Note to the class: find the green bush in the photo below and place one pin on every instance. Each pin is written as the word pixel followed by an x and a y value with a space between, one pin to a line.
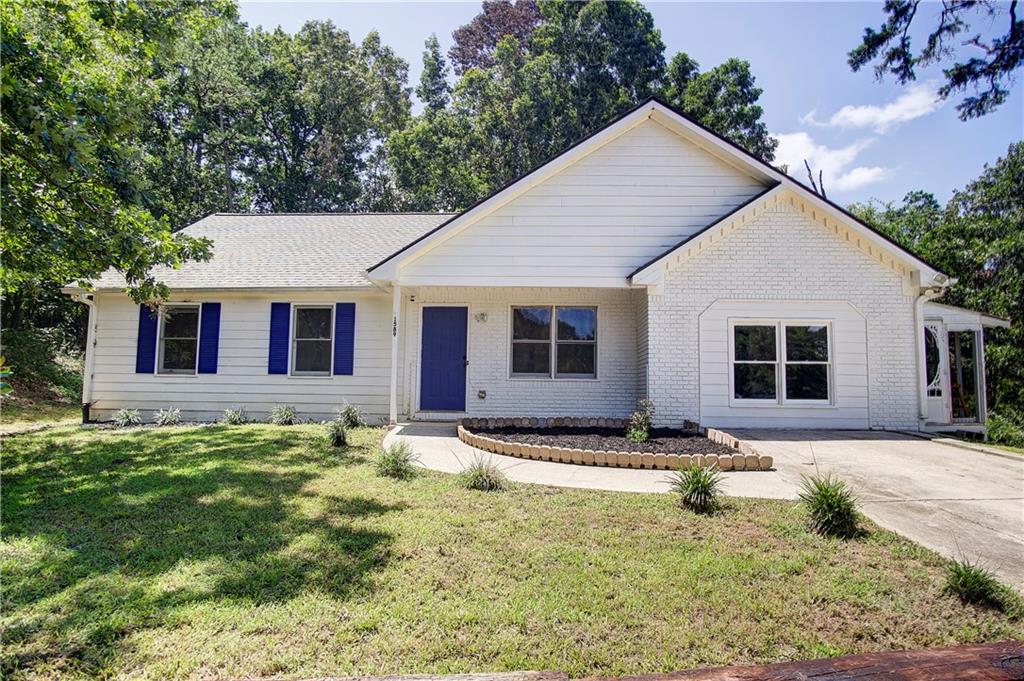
pixel 1006 427
pixel 283 415
pixel 972 583
pixel 235 417
pixel 699 488
pixel 485 475
pixel 831 504
pixel 126 418
pixel 639 428
pixel 350 415
pixel 44 364
pixel 397 461
pixel 337 433
pixel 171 416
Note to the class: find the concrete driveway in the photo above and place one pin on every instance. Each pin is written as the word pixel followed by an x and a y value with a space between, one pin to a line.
pixel 953 500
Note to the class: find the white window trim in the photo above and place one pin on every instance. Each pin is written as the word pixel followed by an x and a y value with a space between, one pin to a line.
pixel 552 342
pixel 292 341
pixel 780 363
pixel 159 369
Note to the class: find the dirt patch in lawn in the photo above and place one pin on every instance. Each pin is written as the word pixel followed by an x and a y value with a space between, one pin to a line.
pixel 662 440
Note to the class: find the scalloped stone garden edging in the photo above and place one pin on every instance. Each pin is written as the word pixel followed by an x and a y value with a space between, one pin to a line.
pixel 746 458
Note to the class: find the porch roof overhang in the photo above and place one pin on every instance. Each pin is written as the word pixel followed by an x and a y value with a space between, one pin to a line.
pixel 951 314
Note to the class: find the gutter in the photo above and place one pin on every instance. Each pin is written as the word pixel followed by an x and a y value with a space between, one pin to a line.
pixel 90 352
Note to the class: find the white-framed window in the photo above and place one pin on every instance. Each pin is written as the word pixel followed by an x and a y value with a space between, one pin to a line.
pixel 781 362
pixel 554 341
pixel 178 351
pixel 312 339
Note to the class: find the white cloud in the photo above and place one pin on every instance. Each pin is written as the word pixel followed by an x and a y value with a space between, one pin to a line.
pixel 834 164
pixel 919 100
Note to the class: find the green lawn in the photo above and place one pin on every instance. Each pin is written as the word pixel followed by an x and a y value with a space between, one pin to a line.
pixel 19 414
pixel 257 550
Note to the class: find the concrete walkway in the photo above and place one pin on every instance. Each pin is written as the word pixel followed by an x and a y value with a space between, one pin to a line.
pixel 440 450
pixel 950 499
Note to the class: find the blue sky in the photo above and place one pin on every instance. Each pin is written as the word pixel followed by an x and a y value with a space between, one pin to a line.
pixel 873 140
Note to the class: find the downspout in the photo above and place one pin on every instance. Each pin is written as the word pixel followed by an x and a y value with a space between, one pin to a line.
pixel 396 313
pixel 90 353
pixel 922 382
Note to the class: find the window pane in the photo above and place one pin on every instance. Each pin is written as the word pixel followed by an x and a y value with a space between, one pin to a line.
pixel 531 358
pixel 755 343
pixel 754 381
pixel 807 343
pixel 576 323
pixel 531 323
pixel 806 381
pixel 181 322
pixel 313 322
pixel 179 355
pixel 576 358
pixel 313 355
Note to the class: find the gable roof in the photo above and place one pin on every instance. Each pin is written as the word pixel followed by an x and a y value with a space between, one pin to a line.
pixel 289 250
pixel 672 118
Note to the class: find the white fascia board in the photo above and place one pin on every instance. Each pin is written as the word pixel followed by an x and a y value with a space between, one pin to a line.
pixel 388 271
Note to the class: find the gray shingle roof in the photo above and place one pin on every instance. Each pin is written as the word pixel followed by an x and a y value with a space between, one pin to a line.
pixel 286 250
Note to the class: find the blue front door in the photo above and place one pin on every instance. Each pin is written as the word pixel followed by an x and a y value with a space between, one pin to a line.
pixel 443 359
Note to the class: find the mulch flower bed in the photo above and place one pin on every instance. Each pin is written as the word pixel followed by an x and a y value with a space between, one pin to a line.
pixel 662 440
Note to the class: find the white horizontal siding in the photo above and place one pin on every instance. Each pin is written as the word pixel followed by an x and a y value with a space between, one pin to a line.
pixel 593 223
pixel 242 378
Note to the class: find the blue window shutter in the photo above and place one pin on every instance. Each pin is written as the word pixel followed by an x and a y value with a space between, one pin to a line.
pixel 209 337
pixel 280 319
pixel 344 338
pixel 145 348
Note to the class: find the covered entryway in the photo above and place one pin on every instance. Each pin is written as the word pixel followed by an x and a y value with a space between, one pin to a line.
pixel 954 348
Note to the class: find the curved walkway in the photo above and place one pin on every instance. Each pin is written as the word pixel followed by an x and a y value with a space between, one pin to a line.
pixel 439 449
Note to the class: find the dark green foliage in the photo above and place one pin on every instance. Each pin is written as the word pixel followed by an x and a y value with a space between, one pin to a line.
pixel 978 238
pixel 283 415
pixel 639 428
pixel 485 475
pixel 45 364
pixel 972 583
pixel 1006 427
pixel 698 487
pixel 337 433
pixel 831 505
pixel 397 461
pixel 989 65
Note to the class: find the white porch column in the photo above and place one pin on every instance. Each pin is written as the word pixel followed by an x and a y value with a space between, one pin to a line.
pixel 396 312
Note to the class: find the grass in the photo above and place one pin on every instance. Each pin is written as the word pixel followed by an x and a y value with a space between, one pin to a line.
pixel 256 550
pixel 18 414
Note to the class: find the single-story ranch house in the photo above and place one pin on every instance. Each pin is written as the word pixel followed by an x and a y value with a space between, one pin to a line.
pixel 651 259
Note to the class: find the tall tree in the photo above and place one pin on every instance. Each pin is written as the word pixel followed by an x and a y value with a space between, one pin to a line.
pixel 724 99
pixel 76 85
pixel 434 90
pixel 476 42
pixel 989 72
pixel 978 237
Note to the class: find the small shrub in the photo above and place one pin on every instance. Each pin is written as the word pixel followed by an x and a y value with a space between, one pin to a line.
pixel 125 418
pixel 832 506
pixel 283 415
pixel 235 417
pixel 972 583
pixel 337 433
pixel 699 488
pixel 350 415
pixel 1006 427
pixel 171 416
pixel 639 428
pixel 397 461
pixel 485 475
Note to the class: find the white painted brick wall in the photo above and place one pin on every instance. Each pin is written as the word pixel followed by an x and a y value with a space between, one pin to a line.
pixel 613 393
pixel 783 255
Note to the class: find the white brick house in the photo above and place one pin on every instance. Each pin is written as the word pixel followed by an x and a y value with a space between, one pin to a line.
pixel 652 259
